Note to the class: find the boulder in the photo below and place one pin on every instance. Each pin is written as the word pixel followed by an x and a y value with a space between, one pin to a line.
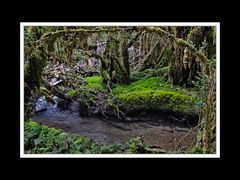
pixel 41 104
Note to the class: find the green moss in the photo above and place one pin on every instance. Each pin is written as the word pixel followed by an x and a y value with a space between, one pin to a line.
pixel 74 92
pixel 197 150
pixel 92 83
pixel 153 83
pixel 40 139
pixel 149 93
pixel 33 70
pixel 155 93
pixel 165 100
pixel 47 94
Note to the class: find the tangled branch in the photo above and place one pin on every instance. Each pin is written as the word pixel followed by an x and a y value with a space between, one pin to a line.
pixel 180 42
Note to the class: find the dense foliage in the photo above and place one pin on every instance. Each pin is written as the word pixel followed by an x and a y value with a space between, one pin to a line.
pixel 39 139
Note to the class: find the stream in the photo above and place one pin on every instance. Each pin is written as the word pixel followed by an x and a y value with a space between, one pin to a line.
pixel 155 132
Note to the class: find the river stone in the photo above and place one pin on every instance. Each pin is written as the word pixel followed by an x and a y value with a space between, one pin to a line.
pixel 41 104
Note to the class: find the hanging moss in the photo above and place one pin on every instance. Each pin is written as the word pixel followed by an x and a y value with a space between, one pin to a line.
pixel 34 70
pixel 32 79
pixel 115 65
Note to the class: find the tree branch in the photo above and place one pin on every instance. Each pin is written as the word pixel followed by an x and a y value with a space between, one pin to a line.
pixel 189 132
pixel 180 42
pixel 51 88
pixel 134 39
pixel 53 34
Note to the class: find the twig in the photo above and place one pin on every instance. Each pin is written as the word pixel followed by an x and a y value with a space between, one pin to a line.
pixel 175 119
pixel 189 132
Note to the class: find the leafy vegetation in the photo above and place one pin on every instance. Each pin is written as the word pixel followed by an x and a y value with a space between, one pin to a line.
pixel 40 139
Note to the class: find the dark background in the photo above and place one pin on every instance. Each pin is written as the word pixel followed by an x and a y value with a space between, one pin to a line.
pixel 120 12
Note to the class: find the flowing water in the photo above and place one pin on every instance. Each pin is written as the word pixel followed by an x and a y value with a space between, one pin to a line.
pixel 158 132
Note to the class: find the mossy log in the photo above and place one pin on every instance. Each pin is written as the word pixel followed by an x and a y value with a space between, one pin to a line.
pixel 53 90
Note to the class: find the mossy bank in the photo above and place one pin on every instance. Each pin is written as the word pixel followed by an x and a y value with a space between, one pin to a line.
pixel 150 95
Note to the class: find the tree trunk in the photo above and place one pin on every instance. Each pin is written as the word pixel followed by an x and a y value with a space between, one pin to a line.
pixel 114 64
pixel 185 65
pixel 178 71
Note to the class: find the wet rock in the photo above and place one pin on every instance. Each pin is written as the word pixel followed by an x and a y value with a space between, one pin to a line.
pixel 55 99
pixel 41 104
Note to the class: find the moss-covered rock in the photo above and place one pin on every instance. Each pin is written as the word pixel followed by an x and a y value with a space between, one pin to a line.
pixel 154 94
pixel 157 100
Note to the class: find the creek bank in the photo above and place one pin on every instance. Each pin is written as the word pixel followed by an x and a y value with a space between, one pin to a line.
pixel 143 98
pixel 149 108
pixel 156 132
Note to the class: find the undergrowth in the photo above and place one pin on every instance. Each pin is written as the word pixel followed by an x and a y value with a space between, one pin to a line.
pixel 147 93
pixel 40 139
